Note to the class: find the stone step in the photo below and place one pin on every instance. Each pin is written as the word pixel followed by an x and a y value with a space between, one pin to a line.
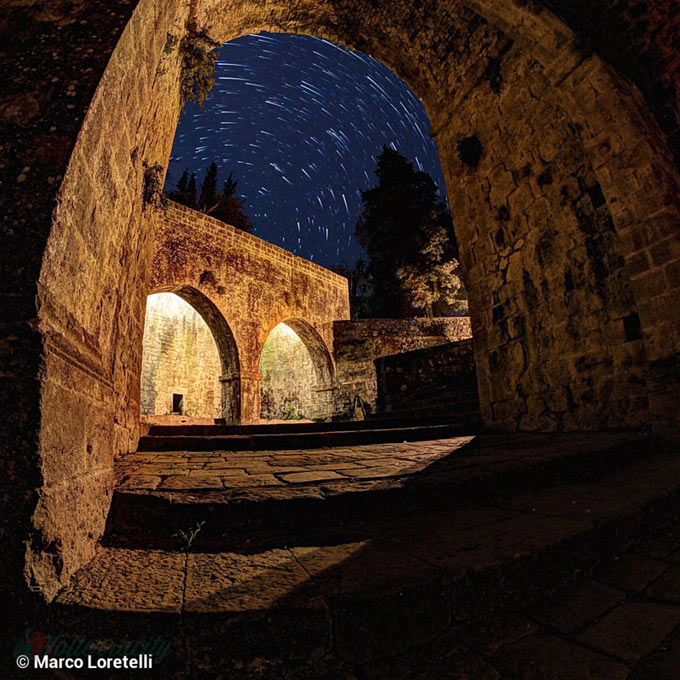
pixel 252 501
pixel 470 414
pixel 219 428
pixel 451 398
pixel 467 410
pixel 407 582
pixel 273 441
pixel 469 388
pixel 442 402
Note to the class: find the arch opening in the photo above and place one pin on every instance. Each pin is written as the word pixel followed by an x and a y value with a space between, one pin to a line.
pixel 190 366
pixel 553 337
pixel 297 374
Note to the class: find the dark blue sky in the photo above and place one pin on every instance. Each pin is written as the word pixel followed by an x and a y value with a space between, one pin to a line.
pixel 300 122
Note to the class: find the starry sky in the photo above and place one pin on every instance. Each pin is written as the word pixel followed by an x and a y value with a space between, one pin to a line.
pixel 300 121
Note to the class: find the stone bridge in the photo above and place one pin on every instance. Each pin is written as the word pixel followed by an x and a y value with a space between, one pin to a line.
pixel 243 287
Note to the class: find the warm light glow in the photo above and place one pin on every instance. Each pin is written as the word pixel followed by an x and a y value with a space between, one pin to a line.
pixel 283 331
pixel 288 376
pixel 168 305
pixel 180 361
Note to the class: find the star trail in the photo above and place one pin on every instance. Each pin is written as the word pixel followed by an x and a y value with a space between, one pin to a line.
pixel 300 122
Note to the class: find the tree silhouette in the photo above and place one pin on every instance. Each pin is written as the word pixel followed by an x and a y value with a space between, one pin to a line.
pixel 185 191
pixel 224 205
pixel 192 192
pixel 360 288
pixel 229 208
pixel 401 216
pixel 182 185
pixel 208 198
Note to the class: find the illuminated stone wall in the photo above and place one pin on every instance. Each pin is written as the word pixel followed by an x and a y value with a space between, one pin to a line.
pixel 250 286
pixel 179 356
pixel 288 378
pixel 358 344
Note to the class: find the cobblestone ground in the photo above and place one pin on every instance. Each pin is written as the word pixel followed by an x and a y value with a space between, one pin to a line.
pixel 620 623
pixel 229 469
pixel 277 470
pixel 379 587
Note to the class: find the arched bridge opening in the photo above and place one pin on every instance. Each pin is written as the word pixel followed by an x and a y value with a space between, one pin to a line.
pixel 190 361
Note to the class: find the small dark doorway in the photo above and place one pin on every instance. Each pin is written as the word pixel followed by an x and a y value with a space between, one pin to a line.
pixel 178 403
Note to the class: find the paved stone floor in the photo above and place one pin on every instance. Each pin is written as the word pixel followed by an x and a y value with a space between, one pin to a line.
pixel 623 623
pixel 468 571
pixel 229 469
pixel 193 470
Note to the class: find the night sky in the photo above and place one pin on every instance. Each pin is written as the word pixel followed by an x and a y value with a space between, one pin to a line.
pixel 300 122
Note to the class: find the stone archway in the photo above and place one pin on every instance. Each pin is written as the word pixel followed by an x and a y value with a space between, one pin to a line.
pixel 321 357
pixel 298 374
pixel 508 199
pixel 230 377
pixel 549 156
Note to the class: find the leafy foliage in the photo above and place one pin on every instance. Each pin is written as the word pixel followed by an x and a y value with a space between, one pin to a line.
pixel 171 41
pixel 152 191
pixel 431 277
pixel 289 413
pixel 187 537
pixel 198 66
pixel 408 235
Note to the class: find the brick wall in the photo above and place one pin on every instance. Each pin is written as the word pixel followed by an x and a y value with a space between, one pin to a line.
pixel 434 381
pixel 251 286
pixel 288 378
pixel 357 344
pixel 179 357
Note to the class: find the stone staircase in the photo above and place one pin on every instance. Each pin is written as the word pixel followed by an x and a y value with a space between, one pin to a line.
pixel 312 559
pixel 283 436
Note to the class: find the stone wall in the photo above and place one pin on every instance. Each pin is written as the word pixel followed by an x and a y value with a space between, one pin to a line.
pixel 179 356
pixel 434 381
pixel 357 344
pixel 245 287
pixel 288 377
pixel 81 242
pixel 640 39
pixel 558 335
pixel 531 127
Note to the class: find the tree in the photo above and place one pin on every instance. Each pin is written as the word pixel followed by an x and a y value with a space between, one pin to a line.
pixel 208 200
pixel 192 193
pixel 360 288
pixel 431 277
pixel 185 191
pixel 182 185
pixel 229 208
pixel 401 217
pixel 224 205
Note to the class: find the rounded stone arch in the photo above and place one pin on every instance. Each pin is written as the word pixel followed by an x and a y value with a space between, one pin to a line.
pixel 612 133
pixel 226 346
pixel 483 187
pixel 96 247
pixel 323 388
pixel 324 366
